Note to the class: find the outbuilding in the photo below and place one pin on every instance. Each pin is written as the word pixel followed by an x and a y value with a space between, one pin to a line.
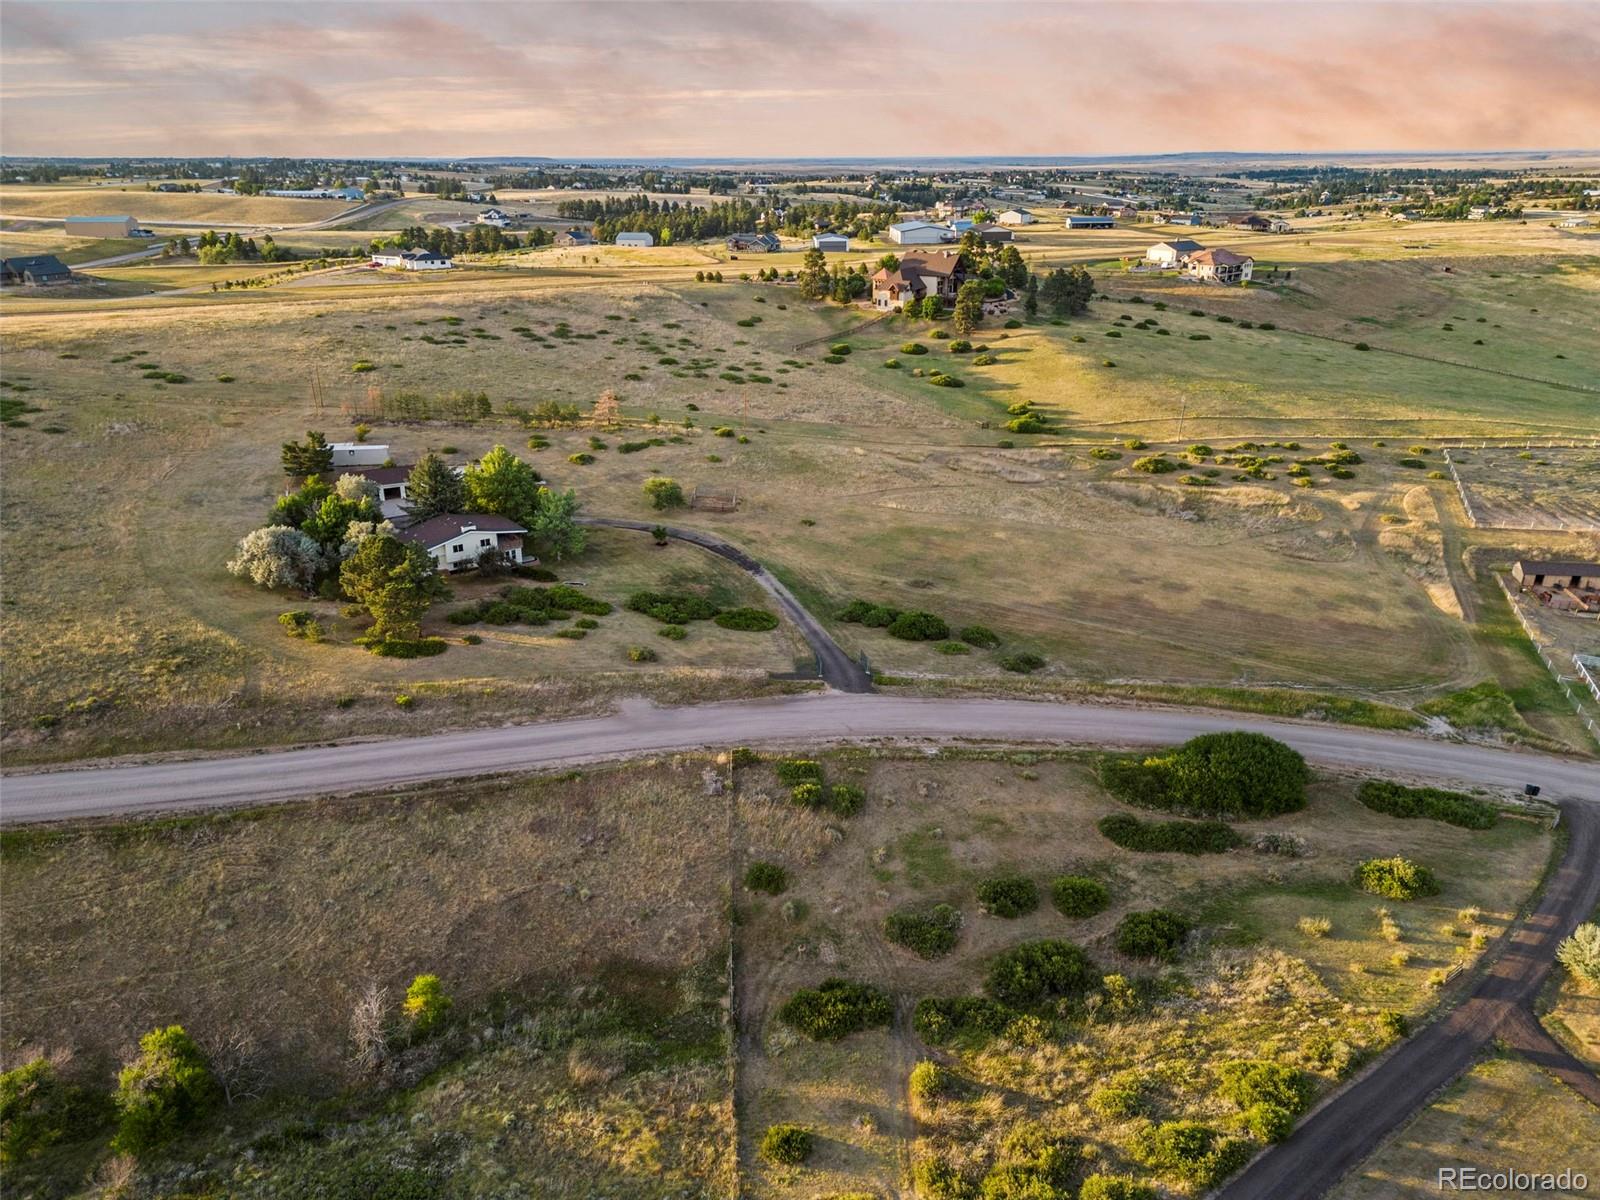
pixel 100 227
pixel 1168 255
pixel 636 239
pixel 357 454
pixel 1016 216
pixel 920 233
pixel 831 243
pixel 1082 222
pixel 575 237
pixel 1552 573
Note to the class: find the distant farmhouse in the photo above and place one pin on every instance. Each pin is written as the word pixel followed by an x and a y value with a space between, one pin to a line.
pixel 636 239
pixel 831 243
pixel 575 237
pixel 100 227
pixel 34 270
pixel 1016 216
pixel 918 276
pixel 755 243
pixel 1219 266
pixel 496 217
pixel 345 193
pixel 1252 221
pixel 1171 255
pixel 1082 222
pixel 920 233
pixel 412 260
pixel 1564 586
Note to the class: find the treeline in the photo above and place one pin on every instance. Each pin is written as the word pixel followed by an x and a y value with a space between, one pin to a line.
pixel 215 248
pixel 671 221
pixel 478 239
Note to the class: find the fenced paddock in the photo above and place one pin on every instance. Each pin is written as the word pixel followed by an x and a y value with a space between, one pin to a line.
pixel 1529 485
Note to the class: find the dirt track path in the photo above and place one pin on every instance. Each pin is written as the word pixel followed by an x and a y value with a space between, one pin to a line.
pixel 1346 1129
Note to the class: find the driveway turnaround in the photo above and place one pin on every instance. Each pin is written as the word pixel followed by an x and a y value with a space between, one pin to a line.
pixel 1335 1138
pixel 641 728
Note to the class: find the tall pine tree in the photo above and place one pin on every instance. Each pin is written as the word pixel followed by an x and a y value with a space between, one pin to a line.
pixel 434 488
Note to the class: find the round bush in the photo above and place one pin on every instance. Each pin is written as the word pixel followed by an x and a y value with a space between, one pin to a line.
pixel 1115 1187
pixel 1078 895
pixel 1396 878
pixel 953 648
pixel 1008 896
pixel 1154 933
pixel 766 877
pixel 918 626
pixel 1268 1122
pixel 749 620
pixel 786 1145
pixel 839 348
pixel 1036 971
pixel 845 799
pixel 913 348
pixel 1022 663
pixel 979 635
pixel 641 654
pixel 835 1009
pixel 926 932
pixel 1236 775
pixel 929 1082
pixel 807 795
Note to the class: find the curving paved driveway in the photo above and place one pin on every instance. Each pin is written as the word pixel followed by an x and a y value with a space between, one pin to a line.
pixel 1341 1133
pixel 641 728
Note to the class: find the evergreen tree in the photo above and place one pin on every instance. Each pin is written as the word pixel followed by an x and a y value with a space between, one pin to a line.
pixel 813 277
pixel 554 530
pixel 1030 302
pixel 969 307
pixel 394 581
pixel 312 457
pixel 434 488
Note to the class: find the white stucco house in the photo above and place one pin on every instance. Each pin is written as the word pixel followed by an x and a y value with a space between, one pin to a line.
pixel 456 540
pixel 494 216
pixel 636 239
pixel 920 233
pixel 412 260
pixel 1219 266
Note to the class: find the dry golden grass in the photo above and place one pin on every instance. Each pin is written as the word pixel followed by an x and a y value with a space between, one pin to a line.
pixel 52 200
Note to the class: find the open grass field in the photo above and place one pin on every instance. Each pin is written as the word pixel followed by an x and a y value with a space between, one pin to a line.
pixel 1552 487
pixel 51 200
pixel 1505 1115
pixel 39 239
pixel 598 1044
pixel 854 482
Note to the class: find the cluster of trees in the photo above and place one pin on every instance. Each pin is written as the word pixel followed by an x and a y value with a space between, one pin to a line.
pixel 1066 292
pixel 671 221
pixel 333 540
pixel 216 248
pixel 478 239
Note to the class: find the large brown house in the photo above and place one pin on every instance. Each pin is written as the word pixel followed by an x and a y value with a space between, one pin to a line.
pixel 935 273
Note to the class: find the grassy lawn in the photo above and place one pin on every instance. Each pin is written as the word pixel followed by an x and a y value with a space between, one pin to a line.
pixel 57 200
pixel 1505 1115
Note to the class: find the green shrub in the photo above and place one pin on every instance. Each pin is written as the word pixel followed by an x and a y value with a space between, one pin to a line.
pixel 786 1145
pixel 1120 1097
pixel 892 363
pixel 1190 1151
pixel 426 1004
pixel 749 620
pixel 301 624
pixel 1030 422
pixel 1078 895
pixel 39 1110
pixel 1238 775
pixel 402 648
pixel 913 348
pixel 880 616
pixel 935 1179
pixel 835 359
pixel 938 379
pixel 1153 933
pixel 942 1020
pixel 979 635
pixel 766 877
pixel 1169 837
pixel 664 493
pixel 985 360
pixel 1008 896
pixel 918 626
pixel 582 459
pixel 835 1009
pixel 960 346
pixel 641 654
pixel 1154 464
pixel 845 799
pixel 1115 1187
pixel 1021 663
pixel 1105 454
pixel 928 932
pixel 798 770
pixel 1396 878
pixel 1248 1082
pixel 672 608
pixel 839 348
pixel 1453 808
pixel 1268 1122
pixel 808 795
pixel 1036 971
pixel 929 1082
pixel 953 648
pixel 166 1088
pixel 1580 953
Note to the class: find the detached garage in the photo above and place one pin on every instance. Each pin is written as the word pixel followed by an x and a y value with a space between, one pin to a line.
pixel 636 239
pixel 100 227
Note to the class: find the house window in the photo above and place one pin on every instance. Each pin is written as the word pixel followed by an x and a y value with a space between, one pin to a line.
pixel 485 541
pixel 456 549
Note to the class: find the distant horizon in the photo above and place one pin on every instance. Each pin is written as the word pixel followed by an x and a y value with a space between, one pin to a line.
pixel 695 81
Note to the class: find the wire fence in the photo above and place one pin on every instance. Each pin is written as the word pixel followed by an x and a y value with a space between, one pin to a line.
pixel 1552 521
pixel 1583 678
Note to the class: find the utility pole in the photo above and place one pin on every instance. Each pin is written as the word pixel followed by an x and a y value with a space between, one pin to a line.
pixel 1183 411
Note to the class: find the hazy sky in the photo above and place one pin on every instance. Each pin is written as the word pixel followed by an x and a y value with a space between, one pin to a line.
pixel 762 78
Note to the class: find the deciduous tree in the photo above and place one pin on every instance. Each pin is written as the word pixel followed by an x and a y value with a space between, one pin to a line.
pixel 501 483
pixel 277 556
